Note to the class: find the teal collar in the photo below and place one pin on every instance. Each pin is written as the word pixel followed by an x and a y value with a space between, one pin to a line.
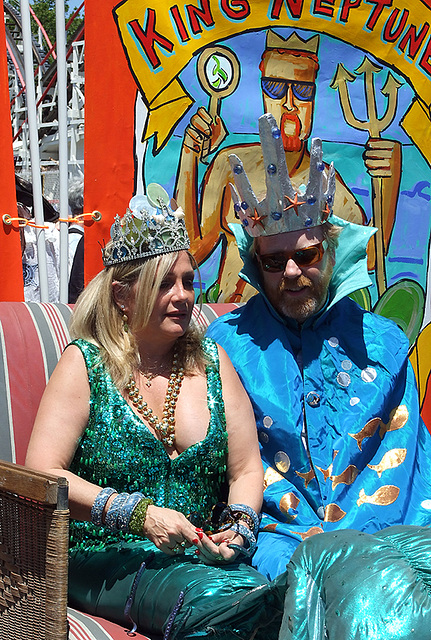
pixel 350 269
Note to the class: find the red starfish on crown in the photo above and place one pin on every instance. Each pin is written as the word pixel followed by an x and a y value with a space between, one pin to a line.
pixel 257 219
pixel 293 204
pixel 326 211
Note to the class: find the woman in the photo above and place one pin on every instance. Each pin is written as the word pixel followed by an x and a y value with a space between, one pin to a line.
pixel 150 424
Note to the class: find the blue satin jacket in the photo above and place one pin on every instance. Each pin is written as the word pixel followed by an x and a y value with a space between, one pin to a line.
pixel 342 442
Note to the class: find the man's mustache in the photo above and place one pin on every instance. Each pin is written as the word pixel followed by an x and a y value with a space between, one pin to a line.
pixel 294 285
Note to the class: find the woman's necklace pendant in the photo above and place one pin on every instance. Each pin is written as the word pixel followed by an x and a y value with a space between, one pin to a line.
pixel 164 428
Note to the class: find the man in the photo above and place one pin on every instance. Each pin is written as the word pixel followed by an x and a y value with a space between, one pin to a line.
pixel 334 396
pixel 289 69
pixel 76 239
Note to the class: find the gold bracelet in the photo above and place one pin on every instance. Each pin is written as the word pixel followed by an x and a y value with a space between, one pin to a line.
pixel 137 519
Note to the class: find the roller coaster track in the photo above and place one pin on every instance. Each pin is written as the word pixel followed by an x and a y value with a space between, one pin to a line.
pixel 45 68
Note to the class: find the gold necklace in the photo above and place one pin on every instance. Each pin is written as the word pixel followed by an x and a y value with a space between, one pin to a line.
pixel 166 426
pixel 149 377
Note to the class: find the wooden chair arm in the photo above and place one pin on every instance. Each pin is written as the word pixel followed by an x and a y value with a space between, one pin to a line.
pixel 34 485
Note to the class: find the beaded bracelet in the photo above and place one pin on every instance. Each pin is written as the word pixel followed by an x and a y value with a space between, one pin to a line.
pixel 137 519
pixel 127 507
pixel 100 503
pixel 114 511
pixel 248 537
pixel 248 515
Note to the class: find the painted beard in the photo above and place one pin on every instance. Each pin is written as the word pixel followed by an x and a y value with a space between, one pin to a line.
pixel 309 302
pixel 292 142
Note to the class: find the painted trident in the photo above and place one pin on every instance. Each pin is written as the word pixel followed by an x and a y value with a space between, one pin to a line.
pixel 374 125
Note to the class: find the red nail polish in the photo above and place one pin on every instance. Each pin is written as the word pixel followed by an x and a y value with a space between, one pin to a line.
pixel 197 552
pixel 200 533
pixel 195 541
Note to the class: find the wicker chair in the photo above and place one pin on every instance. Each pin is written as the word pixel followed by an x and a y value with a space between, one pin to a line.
pixel 34 528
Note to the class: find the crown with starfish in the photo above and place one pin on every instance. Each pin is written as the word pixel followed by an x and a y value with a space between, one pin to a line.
pixel 283 208
pixel 151 226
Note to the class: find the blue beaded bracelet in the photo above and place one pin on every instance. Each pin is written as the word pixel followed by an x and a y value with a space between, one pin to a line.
pixel 248 511
pixel 99 504
pixel 248 537
pixel 126 511
pixel 114 511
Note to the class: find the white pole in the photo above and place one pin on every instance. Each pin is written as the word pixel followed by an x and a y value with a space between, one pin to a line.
pixel 34 149
pixel 62 147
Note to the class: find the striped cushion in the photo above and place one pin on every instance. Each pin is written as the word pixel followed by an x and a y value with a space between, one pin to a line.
pixel 32 338
pixel 84 627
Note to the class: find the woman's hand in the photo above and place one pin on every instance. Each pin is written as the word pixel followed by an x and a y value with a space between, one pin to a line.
pixel 172 533
pixel 215 549
pixel 169 530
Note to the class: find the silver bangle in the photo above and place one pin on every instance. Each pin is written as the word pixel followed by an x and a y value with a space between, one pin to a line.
pixel 248 536
pixel 126 511
pixel 244 508
pixel 100 503
pixel 114 511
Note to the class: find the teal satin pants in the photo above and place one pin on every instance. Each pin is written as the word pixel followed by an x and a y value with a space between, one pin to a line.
pixel 349 585
pixel 230 602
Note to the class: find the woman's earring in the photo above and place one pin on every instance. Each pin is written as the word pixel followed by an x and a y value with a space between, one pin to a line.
pixel 125 319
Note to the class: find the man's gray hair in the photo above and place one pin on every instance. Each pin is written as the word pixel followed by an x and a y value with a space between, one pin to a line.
pixel 76 196
pixel 331 233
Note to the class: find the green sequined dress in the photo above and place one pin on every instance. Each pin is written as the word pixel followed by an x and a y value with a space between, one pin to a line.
pixel 118 450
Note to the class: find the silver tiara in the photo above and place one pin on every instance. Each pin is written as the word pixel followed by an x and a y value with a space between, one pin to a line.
pixel 149 228
pixel 283 209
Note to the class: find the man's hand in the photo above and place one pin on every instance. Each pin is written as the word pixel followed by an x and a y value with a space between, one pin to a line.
pixel 382 157
pixel 204 133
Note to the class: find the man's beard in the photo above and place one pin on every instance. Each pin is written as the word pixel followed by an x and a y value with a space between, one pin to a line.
pixel 310 301
pixel 293 142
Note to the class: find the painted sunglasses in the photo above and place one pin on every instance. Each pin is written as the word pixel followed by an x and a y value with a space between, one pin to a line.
pixel 276 88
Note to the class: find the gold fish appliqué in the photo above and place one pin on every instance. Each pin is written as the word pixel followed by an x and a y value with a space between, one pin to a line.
pixel 271 476
pixel 333 513
pixel 397 419
pixel 366 432
pixel 383 496
pixel 307 534
pixel 390 460
pixel 307 477
pixel 348 476
pixel 289 501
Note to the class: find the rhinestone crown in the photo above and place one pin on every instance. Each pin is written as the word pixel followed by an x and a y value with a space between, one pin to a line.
pixel 149 228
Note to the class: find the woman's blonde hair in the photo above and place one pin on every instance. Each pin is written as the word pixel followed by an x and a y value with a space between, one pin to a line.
pixel 97 317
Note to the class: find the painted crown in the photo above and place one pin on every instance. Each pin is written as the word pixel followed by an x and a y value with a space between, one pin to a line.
pixel 150 227
pixel 283 209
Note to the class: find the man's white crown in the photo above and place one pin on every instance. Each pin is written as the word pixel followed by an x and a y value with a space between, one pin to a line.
pixel 283 209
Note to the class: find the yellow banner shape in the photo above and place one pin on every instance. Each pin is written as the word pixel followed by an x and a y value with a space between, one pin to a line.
pixel 160 40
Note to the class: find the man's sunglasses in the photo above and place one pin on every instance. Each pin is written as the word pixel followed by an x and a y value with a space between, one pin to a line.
pixel 276 88
pixel 276 262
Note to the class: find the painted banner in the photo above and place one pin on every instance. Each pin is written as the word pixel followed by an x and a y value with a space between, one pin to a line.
pixel 173 88
pixel 12 286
